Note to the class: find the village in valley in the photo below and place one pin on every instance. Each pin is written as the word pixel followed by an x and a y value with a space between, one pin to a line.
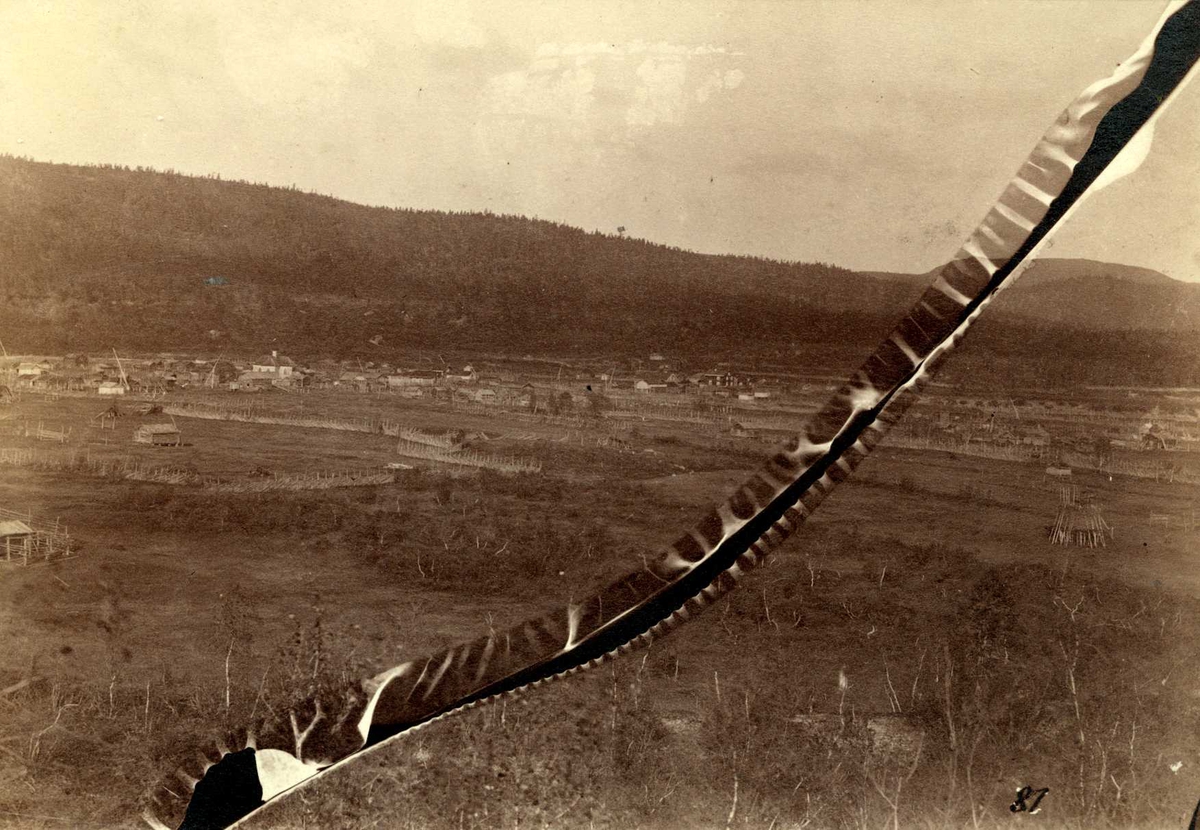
pixel 1091 427
pixel 91 413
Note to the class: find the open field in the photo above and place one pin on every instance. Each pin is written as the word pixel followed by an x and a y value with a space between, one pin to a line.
pixel 978 657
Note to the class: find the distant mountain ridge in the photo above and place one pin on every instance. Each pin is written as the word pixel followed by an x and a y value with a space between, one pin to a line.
pixel 1101 296
pixel 1085 293
pixel 95 257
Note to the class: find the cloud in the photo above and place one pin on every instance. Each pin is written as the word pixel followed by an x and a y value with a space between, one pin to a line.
pixel 605 92
pixel 659 97
pixel 730 79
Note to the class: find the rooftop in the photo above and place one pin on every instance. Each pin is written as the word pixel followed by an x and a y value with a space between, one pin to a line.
pixel 12 527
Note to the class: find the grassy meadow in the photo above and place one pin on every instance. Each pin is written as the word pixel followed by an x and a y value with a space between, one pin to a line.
pixel 977 658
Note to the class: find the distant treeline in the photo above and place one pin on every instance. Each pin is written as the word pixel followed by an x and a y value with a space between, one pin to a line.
pixel 97 257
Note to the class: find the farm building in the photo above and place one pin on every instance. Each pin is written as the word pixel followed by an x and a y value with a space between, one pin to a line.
pixel 417 378
pixel 649 386
pixel 16 537
pixel 28 370
pixel 261 380
pixel 467 375
pixel 158 435
pixel 356 381
pixel 1035 436
pixel 274 364
pixel 108 418
pixel 486 396
pixel 110 387
pixel 715 379
pixel 738 430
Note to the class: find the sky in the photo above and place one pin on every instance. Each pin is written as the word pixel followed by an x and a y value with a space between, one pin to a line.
pixel 872 135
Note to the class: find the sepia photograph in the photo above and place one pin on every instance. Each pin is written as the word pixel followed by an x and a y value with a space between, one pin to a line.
pixel 600 414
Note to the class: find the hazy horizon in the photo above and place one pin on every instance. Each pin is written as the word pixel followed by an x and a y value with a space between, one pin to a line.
pixel 868 135
pixel 609 231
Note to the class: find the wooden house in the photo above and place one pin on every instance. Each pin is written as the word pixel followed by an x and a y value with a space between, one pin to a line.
pixel 353 380
pixel 256 380
pixel 723 379
pixel 16 538
pixel 738 430
pixel 414 378
pixel 1036 436
pixel 649 386
pixel 158 435
pixel 279 366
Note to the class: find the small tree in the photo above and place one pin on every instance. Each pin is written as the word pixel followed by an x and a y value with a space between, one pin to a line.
pixel 561 403
pixel 598 404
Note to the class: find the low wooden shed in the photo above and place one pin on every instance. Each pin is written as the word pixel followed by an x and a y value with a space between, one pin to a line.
pixel 158 435
pixel 16 539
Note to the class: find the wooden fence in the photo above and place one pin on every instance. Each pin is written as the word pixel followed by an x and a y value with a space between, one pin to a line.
pixel 77 461
pixel 973 448
pixel 309 481
pixel 130 469
pixel 413 443
pixel 372 426
pixel 59 435
pixel 468 458
pixel 1157 470
pixel 45 544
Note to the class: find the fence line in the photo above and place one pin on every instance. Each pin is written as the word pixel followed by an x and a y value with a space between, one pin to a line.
pixel 312 481
pixel 373 426
pixel 46 542
pixel 413 443
pixel 977 449
pixel 215 413
pixel 468 458
pixel 1157 470
pixel 130 469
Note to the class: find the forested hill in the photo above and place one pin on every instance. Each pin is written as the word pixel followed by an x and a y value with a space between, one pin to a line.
pixel 96 257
